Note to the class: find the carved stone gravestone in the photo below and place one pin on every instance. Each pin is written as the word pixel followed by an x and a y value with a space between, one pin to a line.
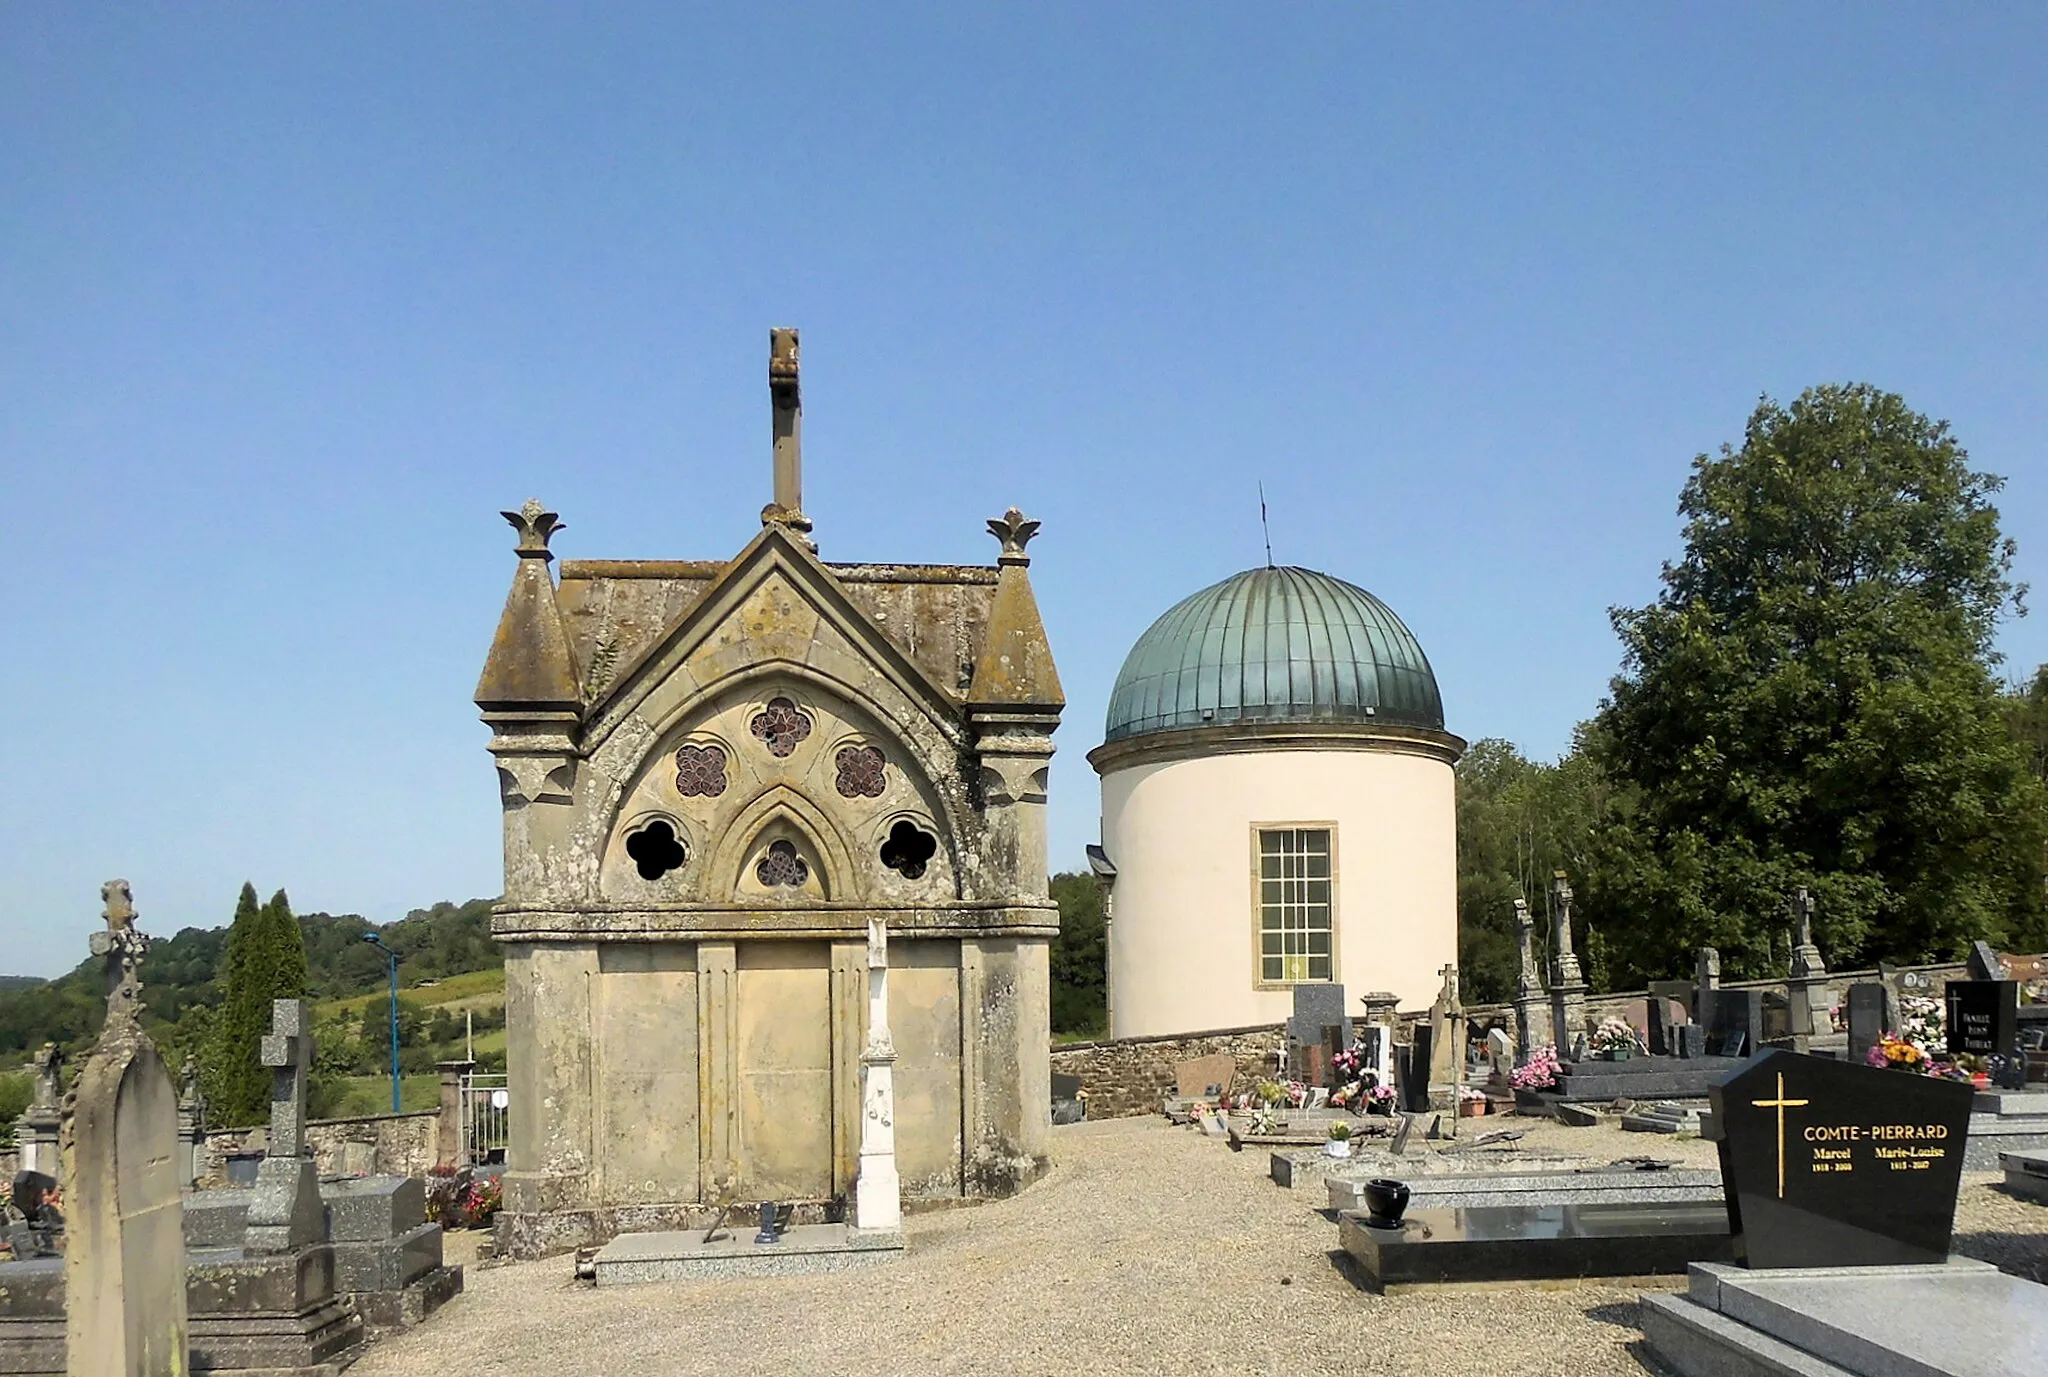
pixel 1867 1022
pixel 284 1208
pixel 1706 989
pixel 1317 1008
pixel 1826 1164
pixel 1983 1017
pixel 1657 1037
pixel 124 1264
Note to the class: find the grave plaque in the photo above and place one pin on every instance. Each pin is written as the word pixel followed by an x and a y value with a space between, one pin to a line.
pixel 1689 1040
pixel 1983 1017
pixel 1826 1164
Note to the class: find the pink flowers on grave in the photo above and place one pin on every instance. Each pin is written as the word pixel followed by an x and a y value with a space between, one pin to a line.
pixel 1540 1072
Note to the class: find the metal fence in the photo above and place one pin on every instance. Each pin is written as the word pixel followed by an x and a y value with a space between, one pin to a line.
pixel 486 1118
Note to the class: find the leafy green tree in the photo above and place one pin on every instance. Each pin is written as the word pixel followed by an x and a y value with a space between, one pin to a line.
pixel 287 951
pixel 1080 957
pixel 2026 715
pixel 1810 702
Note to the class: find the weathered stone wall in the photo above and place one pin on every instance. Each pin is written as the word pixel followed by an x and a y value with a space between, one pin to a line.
pixel 1131 1075
pixel 1834 988
pixel 378 1144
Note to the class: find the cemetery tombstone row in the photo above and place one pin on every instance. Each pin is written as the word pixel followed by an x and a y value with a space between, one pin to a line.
pixel 1828 1164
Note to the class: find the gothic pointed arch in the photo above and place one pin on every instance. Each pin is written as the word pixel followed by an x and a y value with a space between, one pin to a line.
pixel 797 840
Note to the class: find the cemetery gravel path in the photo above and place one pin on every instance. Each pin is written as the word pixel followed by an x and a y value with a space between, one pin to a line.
pixel 1147 1249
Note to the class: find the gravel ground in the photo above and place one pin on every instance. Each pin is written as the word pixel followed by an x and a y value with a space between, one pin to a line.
pixel 1147 1249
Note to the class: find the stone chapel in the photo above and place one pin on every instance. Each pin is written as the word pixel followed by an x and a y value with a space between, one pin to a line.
pixel 713 774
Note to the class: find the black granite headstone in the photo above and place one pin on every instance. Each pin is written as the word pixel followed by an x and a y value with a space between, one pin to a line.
pixel 1983 1017
pixel 1414 1074
pixel 1737 1011
pixel 1826 1164
pixel 1689 1040
pixel 1659 1036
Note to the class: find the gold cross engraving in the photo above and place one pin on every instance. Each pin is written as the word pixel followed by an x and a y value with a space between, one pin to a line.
pixel 1781 1104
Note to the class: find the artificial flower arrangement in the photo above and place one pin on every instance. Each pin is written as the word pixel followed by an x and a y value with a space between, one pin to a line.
pixel 1897 1054
pixel 1615 1035
pixel 1923 1024
pixel 1540 1072
pixel 1471 1092
pixel 1340 1131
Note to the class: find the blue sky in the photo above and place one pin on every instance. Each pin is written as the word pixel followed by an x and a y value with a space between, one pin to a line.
pixel 293 299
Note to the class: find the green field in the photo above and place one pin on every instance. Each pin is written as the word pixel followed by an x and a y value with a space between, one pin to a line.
pixel 472 989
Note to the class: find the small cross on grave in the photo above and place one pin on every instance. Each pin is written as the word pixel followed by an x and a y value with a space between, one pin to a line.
pixel 288 1051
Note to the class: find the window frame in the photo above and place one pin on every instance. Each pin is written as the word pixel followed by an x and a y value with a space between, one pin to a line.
pixel 1258 909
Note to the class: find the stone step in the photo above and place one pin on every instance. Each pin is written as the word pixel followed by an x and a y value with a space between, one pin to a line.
pixel 1872 1320
pixel 683 1255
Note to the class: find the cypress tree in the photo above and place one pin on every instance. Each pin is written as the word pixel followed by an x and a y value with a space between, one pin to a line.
pixel 286 945
pixel 237 1084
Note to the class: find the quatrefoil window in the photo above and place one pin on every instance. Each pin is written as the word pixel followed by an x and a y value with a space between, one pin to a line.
pixel 782 726
pixel 860 771
pixel 700 771
pixel 782 868
pixel 656 849
pixel 908 849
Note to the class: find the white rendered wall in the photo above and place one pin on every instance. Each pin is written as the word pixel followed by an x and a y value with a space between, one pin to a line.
pixel 1181 951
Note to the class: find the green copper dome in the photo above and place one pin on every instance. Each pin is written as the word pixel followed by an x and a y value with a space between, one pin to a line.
pixel 1274 645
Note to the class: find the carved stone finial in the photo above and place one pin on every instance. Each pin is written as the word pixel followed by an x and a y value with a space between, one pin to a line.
pixel 1015 532
pixel 536 526
pixel 120 905
pixel 123 947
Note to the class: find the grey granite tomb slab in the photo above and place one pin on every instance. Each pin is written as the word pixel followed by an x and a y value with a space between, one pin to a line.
pixel 682 1255
pixel 1959 1319
pixel 2026 1174
pixel 364 1209
pixel 1617 1187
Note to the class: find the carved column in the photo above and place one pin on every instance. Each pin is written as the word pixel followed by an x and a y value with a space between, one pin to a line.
pixel 1532 1014
pixel 1567 986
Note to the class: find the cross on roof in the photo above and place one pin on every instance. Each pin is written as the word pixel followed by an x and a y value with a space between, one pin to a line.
pixel 288 1051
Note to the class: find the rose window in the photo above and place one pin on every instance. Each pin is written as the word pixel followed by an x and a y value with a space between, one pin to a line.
pixel 860 771
pixel 700 771
pixel 781 725
pixel 782 868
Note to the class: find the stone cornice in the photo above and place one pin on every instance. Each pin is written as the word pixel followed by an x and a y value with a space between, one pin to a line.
pixel 1238 738
pixel 688 923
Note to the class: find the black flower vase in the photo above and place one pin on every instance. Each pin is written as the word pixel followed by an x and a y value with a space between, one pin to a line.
pixel 1385 1202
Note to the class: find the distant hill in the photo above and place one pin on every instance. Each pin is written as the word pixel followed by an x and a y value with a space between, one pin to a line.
pixel 180 976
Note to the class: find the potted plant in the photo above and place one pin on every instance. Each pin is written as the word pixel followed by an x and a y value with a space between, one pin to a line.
pixel 1339 1144
pixel 1471 1102
pixel 1380 1100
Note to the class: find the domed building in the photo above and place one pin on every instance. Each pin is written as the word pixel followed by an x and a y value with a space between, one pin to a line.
pixel 1278 807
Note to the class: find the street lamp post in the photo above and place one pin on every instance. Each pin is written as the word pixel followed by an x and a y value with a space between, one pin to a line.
pixel 391 959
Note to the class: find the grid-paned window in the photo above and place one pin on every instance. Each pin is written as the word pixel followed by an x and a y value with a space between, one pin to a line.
pixel 1294 904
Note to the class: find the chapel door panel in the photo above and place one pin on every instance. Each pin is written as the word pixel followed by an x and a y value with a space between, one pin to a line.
pixel 924 1018
pixel 785 1071
pixel 647 1023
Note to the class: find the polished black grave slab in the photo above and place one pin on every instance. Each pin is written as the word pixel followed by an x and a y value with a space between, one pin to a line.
pixel 1831 1165
pixel 1537 1242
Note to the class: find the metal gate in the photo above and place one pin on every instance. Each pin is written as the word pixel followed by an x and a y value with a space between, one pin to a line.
pixel 486 1118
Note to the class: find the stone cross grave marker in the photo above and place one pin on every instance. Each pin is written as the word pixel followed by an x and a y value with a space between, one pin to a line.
pixel 1826 1164
pixel 124 1263
pixel 285 1210
pixel 1707 987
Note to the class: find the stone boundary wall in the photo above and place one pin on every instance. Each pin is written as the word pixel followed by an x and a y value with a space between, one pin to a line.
pixel 375 1144
pixel 1836 984
pixel 1132 1075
